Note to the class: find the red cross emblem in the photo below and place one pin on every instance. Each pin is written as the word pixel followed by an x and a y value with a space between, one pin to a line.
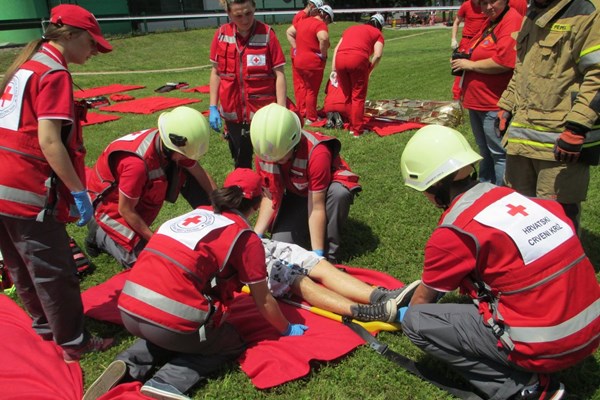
pixel 196 219
pixel 256 60
pixel 514 210
pixel 7 95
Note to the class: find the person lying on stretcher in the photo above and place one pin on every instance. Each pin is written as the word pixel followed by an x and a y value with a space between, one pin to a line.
pixel 295 270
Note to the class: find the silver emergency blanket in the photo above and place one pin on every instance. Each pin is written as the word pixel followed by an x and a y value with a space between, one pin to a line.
pixel 447 113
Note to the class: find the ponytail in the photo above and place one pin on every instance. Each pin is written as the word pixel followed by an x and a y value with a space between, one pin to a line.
pixel 53 32
pixel 232 198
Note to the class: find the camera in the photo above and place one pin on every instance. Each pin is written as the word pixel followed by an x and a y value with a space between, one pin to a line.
pixel 457 55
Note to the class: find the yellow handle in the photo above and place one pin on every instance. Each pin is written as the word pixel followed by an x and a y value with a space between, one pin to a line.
pixel 371 326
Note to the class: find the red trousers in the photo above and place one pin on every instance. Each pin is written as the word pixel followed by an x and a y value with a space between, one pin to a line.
pixel 307 92
pixel 353 78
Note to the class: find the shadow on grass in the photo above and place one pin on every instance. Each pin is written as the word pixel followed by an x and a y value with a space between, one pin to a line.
pixel 357 239
pixel 591 244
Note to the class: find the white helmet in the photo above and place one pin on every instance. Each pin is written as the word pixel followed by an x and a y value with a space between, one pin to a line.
pixel 433 153
pixel 316 3
pixel 274 131
pixel 379 19
pixel 185 131
pixel 327 10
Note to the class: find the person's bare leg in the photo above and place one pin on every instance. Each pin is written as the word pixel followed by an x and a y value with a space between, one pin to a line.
pixel 341 282
pixel 321 297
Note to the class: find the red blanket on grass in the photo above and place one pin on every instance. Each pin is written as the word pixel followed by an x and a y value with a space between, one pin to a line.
pixel 95 118
pixel 31 368
pixel 102 90
pixel 148 105
pixel 270 360
pixel 381 128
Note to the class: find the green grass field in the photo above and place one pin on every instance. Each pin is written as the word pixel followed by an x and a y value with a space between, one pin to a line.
pixel 388 226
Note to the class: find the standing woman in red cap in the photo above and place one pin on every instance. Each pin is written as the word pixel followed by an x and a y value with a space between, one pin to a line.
pixel 43 187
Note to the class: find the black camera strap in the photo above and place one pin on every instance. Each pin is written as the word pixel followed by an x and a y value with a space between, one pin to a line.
pixel 489 30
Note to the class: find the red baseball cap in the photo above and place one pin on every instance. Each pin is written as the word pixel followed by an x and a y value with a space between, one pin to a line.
pixel 249 181
pixel 79 17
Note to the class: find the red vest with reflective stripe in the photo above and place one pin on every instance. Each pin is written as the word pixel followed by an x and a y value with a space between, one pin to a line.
pixel 184 262
pixel 271 172
pixel 548 307
pixel 247 77
pixel 102 185
pixel 29 188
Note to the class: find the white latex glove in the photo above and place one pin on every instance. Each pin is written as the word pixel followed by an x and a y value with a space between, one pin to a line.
pixel 454 44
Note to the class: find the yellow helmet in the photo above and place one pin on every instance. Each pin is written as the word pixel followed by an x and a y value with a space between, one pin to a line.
pixel 433 153
pixel 274 131
pixel 185 131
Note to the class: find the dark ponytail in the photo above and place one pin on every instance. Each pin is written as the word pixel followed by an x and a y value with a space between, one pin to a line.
pixel 232 198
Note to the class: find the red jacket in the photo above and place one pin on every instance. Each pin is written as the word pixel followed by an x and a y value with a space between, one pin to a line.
pixel 299 171
pixel 146 145
pixel 184 263
pixel 29 188
pixel 532 281
pixel 247 77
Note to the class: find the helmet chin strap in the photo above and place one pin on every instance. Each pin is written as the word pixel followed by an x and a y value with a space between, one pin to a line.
pixel 453 185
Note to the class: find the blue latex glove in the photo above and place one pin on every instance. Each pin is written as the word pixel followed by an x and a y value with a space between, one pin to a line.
pixel 214 119
pixel 320 253
pixel 84 206
pixel 401 312
pixel 294 330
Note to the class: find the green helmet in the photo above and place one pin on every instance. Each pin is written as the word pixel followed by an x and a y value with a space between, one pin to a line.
pixel 433 153
pixel 274 131
pixel 185 131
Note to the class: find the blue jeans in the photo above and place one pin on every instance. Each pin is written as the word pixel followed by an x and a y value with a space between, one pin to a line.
pixel 491 168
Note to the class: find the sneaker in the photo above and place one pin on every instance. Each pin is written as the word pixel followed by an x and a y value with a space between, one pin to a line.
pixel 91 248
pixel 157 389
pixel 385 311
pixel 95 343
pixel 401 295
pixel 356 134
pixel 546 388
pixel 107 380
pixel 339 122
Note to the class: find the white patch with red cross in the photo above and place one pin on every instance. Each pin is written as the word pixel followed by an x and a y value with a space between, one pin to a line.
pixel 256 60
pixel 534 229
pixel 190 228
pixel 11 100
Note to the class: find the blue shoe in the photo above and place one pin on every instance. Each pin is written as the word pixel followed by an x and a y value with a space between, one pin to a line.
pixel 162 391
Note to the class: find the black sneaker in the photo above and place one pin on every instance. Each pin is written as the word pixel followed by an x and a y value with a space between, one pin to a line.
pixel 385 311
pixel 547 388
pixel 339 122
pixel 401 295
pixel 91 248
pixel 111 376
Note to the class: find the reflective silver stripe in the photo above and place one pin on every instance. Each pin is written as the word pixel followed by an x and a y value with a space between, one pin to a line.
pixel 47 61
pixel 22 196
pixel 230 115
pixel 300 163
pixel 571 350
pixel 164 303
pixel 145 144
pixel 589 58
pixel 259 40
pixel 173 261
pixel 156 173
pixel 467 199
pixel 118 227
pixel 557 332
pixel 311 138
pixel 539 136
pixel 269 167
pixel 227 39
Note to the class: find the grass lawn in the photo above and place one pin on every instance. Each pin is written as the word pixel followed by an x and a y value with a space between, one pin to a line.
pixel 388 226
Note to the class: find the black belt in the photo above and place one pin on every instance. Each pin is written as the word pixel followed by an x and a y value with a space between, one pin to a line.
pixel 468 37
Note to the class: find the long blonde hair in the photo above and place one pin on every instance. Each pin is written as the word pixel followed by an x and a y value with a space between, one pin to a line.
pixel 53 32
